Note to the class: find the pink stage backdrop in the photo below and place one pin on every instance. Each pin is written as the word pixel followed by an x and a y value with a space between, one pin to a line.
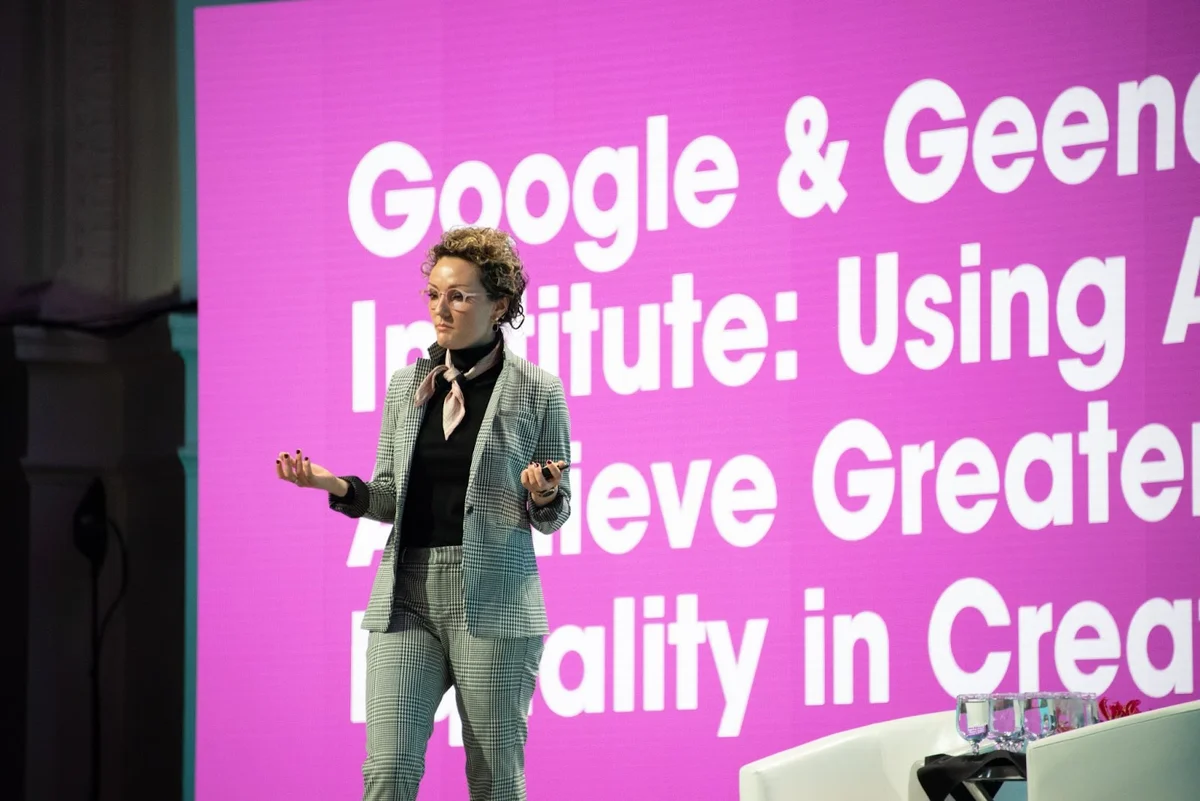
pixel 878 325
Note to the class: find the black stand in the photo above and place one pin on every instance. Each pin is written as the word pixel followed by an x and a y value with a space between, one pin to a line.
pixel 943 776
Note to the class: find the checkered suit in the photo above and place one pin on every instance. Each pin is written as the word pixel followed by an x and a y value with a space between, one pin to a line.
pixel 526 421
pixel 470 616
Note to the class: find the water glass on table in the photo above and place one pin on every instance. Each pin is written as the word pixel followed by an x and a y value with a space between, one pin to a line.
pixel 1037 716
pixel 1006 721
pixel 973 711
pixel 1091 708
pixel 1068 712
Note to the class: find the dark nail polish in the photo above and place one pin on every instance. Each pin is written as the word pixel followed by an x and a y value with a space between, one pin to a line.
pixel 278 462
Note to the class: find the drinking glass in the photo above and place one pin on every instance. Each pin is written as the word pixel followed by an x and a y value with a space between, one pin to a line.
pixel 1005 721
pixel 1037 716
pixel 1067 711
pixel 1091 708
pixel 973 719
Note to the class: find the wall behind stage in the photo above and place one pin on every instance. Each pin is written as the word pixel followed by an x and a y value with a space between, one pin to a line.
pixel 877 327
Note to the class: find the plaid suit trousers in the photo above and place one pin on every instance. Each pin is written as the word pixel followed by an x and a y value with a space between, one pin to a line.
pixel 426 648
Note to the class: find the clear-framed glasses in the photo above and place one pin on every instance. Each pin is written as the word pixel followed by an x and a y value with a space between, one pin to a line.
pixel 1006 723
pixel 973 719
pixel 459 300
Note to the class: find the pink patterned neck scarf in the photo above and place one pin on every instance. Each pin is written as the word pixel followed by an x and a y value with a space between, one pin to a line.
pixel 454 408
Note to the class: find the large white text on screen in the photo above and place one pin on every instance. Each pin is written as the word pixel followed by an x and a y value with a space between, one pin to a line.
pixel 1005 130
pixel 735 331
pixel 1088 652
pixel 730 339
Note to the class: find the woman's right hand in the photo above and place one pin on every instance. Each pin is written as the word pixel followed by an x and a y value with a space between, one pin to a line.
pixel 303 472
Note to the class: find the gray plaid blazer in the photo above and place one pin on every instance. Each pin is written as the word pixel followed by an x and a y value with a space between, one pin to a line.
pixel 526 421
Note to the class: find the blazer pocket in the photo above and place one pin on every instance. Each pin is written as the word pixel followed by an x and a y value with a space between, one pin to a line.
pixel 516 412
pixel 514 420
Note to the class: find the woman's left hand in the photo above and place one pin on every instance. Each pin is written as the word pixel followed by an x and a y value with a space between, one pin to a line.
pixel 544 490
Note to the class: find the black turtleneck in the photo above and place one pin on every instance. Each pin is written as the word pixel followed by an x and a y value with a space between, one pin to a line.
pixel 441 468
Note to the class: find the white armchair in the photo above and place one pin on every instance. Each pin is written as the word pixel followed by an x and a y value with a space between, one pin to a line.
pixel 871 763
pixel 1151 756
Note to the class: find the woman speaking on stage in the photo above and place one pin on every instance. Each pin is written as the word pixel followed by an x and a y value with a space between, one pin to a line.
pixel 473 452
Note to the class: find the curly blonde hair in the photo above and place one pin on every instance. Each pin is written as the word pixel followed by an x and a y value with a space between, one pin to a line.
pixel 495 254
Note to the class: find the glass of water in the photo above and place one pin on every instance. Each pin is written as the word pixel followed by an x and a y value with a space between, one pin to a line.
pixel 1005 721
pixel 1068 712
pixel 973 713
pixel 1036 716
pixel 1091 708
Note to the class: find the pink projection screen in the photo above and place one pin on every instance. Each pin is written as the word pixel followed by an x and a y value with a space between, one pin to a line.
pixel 879 327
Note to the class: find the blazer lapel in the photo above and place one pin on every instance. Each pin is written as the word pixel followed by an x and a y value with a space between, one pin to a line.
pixel 410 428
pixel 489 416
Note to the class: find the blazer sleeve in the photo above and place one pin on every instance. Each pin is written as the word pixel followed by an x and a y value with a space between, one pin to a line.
pixel 376 499
pixel 554 444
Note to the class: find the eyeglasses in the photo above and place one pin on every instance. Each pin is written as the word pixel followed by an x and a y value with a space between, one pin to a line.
pixel 459 301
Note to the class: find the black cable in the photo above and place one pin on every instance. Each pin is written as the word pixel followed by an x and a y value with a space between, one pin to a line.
pixel 124 578
pixel 94 676
pixel 99 629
